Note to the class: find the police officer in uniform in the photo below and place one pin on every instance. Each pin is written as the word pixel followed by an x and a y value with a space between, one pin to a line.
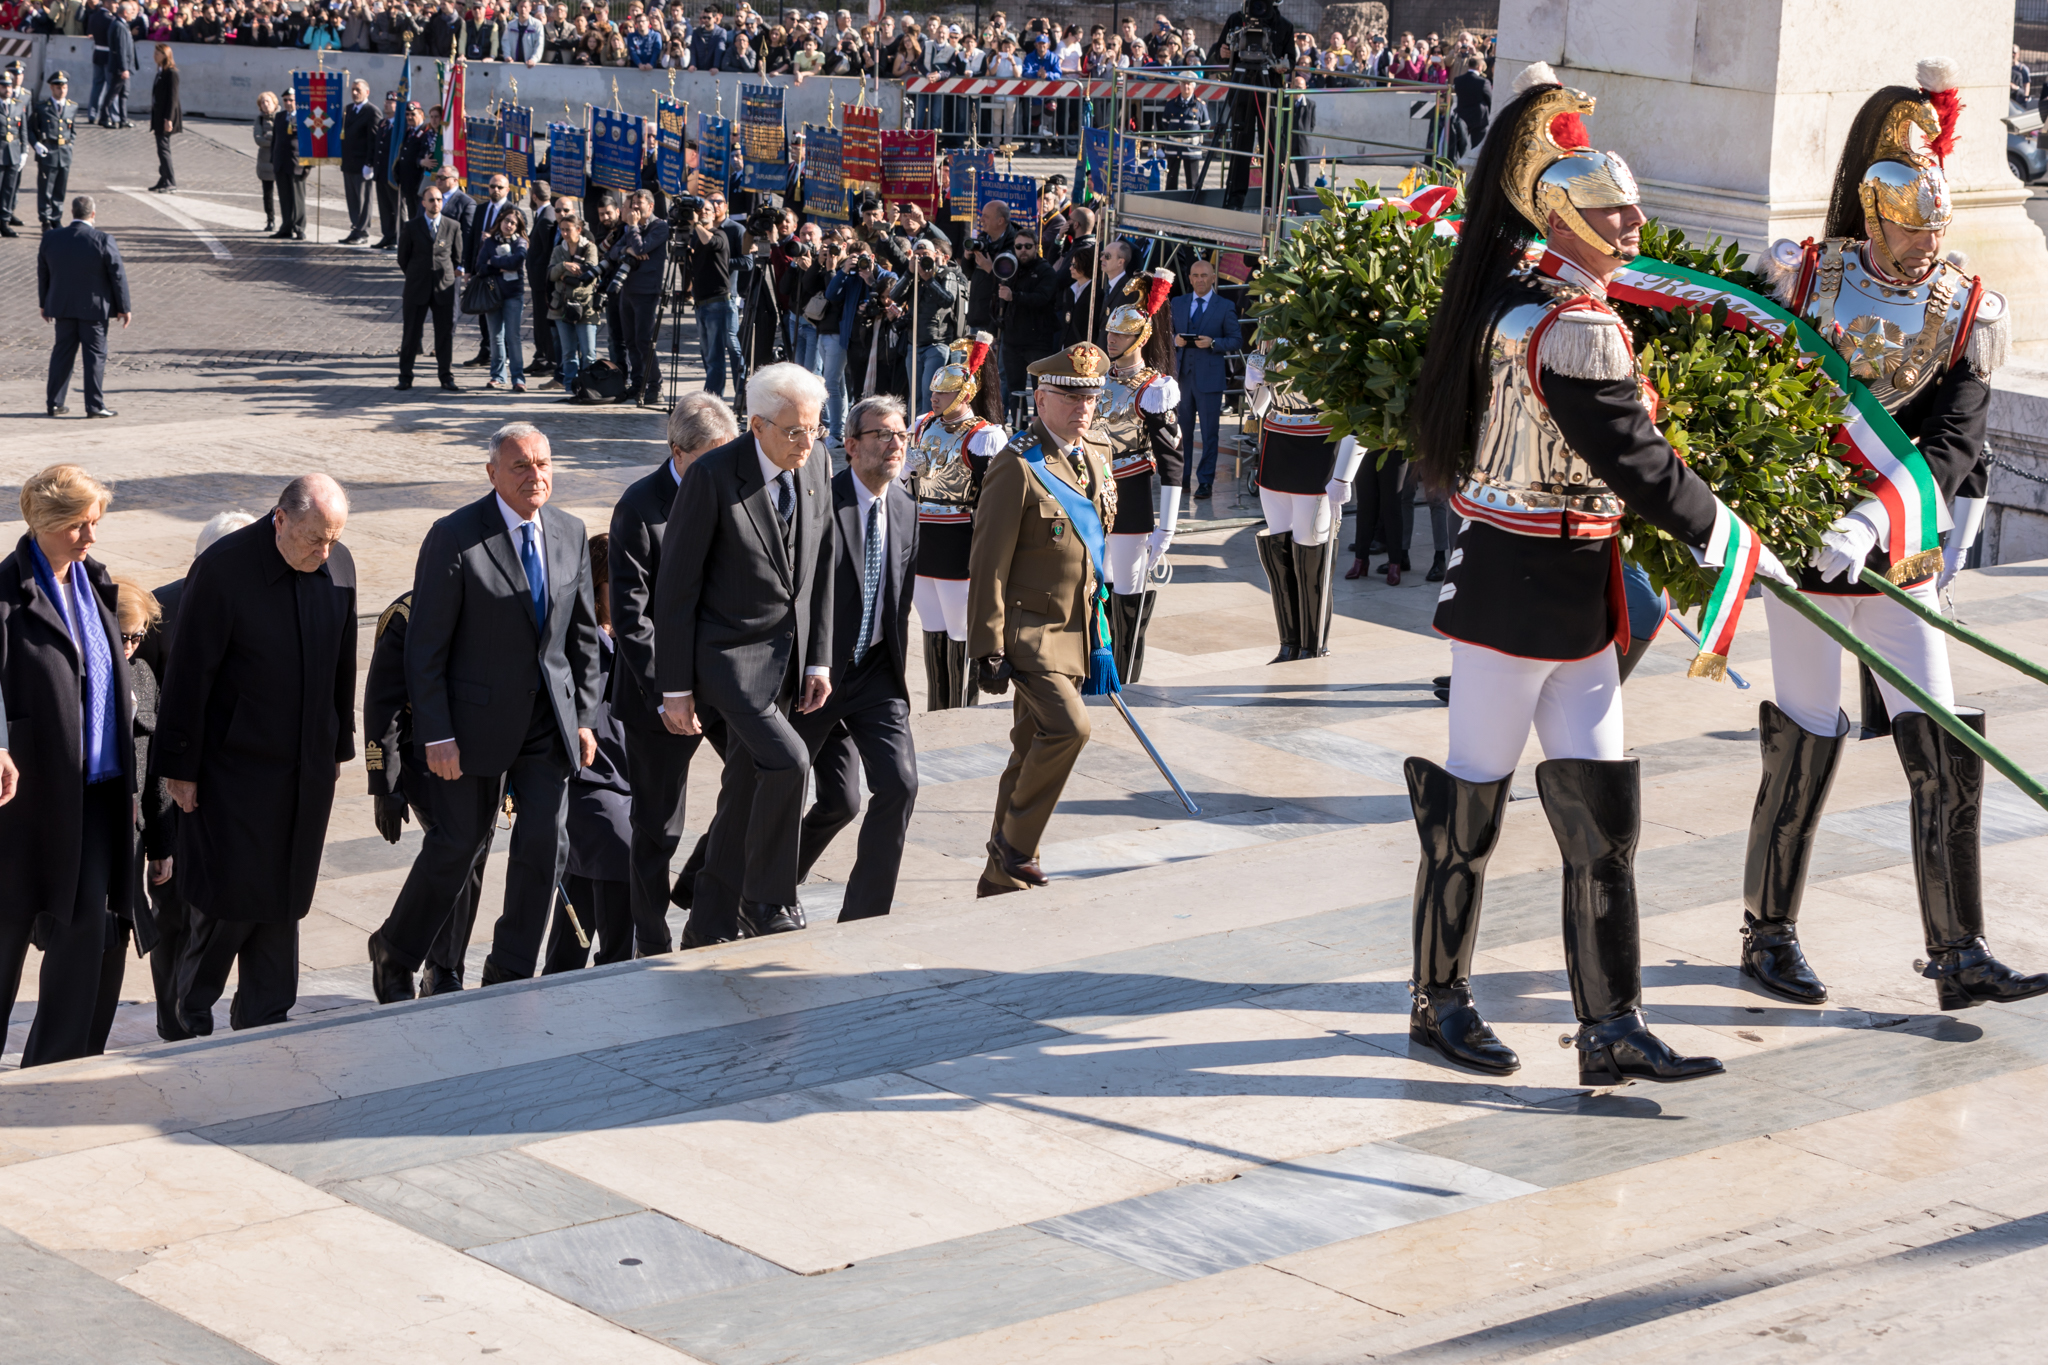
pixel 13 145
pixel 1925 336
pixel 1034 599
pixel 52 129
pixel 950 448
pixel 1138 414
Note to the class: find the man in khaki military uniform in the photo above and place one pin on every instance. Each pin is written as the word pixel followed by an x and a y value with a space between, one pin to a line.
pixel 1034 600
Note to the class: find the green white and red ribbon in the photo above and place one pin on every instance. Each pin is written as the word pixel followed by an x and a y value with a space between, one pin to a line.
pixel 1872 441
pixel 1733 549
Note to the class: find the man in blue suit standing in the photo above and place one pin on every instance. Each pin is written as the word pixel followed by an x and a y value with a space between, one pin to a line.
pixel 80 283
pixel 1204 331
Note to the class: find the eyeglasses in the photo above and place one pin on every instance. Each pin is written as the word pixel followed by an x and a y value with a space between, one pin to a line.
pixel 894 438
pixel 799 433
pixel 134 639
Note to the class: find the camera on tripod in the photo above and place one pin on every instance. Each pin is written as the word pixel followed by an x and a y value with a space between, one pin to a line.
pixel 683 210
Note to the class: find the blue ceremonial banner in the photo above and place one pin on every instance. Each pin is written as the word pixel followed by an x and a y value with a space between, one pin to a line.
pixel 1100 147
pixel 616 147
pixel 515 126
pixel 961 167
pixel 824 187
pixel 486 156
pixel 567 152
pixel 397 149
pixel 763 141
pixel 714 152
pixel 318 121
pixel 1020 192
pixel 671 168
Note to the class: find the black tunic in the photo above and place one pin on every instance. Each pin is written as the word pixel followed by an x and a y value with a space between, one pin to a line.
pixel 258 708
pixel 1299 459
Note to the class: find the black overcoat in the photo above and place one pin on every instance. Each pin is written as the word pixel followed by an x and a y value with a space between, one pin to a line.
pixel 43 678
pixel 258 707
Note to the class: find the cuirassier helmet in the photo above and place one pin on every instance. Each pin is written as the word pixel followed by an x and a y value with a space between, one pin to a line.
pixel 1553 168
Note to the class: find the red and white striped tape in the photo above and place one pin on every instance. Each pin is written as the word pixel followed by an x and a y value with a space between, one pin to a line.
pixel 1060 89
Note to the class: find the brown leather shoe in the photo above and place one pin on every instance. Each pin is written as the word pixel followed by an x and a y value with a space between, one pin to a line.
pixel 1021 866
pixel 986 888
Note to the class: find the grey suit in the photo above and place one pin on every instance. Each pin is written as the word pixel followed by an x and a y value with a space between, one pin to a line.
pixel 741 609
pixel 512 694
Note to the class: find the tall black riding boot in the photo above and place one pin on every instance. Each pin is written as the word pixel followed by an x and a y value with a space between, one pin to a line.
pixel 1276 556
pixel 1877 720
pixel 940 691
pixel 1799 767
pixel 1595 810
pixel 1123 631
pixel 1147 600
pixel 1314 568
pixel 959 673
pixel 1946 807
pixel 1459 822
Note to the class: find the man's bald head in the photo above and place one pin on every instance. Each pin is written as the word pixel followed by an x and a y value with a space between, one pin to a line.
pixel 308 519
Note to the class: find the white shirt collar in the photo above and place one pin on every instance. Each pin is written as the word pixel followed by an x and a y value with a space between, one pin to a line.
pixel 769 469
pixel 1204 298
pixel 513 521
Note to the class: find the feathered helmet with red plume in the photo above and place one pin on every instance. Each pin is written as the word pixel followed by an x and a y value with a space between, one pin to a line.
pixel 1135 319
pixel 1908 134
pixel 957 381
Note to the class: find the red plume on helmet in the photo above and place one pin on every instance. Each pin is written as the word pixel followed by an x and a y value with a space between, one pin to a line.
pixel 1158 287
pixel 1939 81
pixel 978 352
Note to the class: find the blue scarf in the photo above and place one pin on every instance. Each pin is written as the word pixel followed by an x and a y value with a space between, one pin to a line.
pixel 1087 523
pixel 99 718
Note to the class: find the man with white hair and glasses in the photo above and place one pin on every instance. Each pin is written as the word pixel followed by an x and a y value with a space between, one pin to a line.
pixel 743 627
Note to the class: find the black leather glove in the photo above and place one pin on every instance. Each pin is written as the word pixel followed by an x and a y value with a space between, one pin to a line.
pixel 390 810
pixel 992 674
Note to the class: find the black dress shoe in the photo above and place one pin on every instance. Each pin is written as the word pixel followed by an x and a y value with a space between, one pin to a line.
pixel 403 386
pixel 101 412
pixel 476 362
pixel 1015 864
pixel 282 235
pixel 1771 957
pixel 986 888
pixel 494 975
pixel 60 412
pixel 6 231
pixel 1624 1049
pixel 1202 493
pixel 298 236
pixel 439 980
pixel 15 222
pixel 1444 1018
pixel 390 981
pixel 386 245
pixel 450 386
pixel 693 937
pixel 761 919
pixel 1970 975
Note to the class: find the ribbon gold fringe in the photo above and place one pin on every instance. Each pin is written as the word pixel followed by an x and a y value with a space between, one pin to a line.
pixel 1712 667
pixel 1915 566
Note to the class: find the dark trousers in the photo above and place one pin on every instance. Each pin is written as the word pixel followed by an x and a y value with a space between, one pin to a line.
pixel 451 946
pixel 51 182
pixel 359 193
pixel 464 812
pixel 537 317
pixel 165 174
pixel 1208 407
pixel 659 768
pixel 621 355
pixel 1386 512
pixel 115 110
pixel 75 335
pixel 73 947
pixel 388 221
pixel 10 191
pixel 604 911
pixel 266 962
pixel 754 845
pixel 442 308
pixel 873 736
pixel 113 969
pixel 173 927
pixel 641 314
pixel 291 204
pixel 269 205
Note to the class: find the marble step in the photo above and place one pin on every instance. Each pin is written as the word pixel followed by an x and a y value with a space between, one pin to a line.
pixel 1912 1246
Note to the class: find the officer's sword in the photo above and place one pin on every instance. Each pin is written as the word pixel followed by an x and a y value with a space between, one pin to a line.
pixel 1164 771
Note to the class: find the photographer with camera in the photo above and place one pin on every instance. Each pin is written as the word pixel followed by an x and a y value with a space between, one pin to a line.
pixel 992 261
pixel 1030 302
pixel 1257 48
pixel 756 281
pixel 646 247
pixel 708 270
pixel 873 352
pixel 929 300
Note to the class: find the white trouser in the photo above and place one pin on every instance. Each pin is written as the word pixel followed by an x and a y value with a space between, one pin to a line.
pixel 1305 515
pixel 1127 562
pixel 1576 708
pixel 1806 666
pixel 941 605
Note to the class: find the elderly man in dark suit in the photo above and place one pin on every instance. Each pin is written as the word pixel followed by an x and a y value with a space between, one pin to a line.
pixel 80 283
pixel 657 761
pixel 430 255
pixel 1204 331
pixel 359 169
pixel 743 627
pixel 503 673
pixel 865 724
pixel 256 719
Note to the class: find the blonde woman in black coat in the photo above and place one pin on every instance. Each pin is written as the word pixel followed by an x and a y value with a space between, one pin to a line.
pixel 66 844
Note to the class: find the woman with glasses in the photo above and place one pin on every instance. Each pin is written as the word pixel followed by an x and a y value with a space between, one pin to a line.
pixel 504 254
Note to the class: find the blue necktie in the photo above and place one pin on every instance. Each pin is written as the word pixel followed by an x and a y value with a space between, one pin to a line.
pixel 536 586
pixel 785 496
pixel 1195 314
pixel 871 580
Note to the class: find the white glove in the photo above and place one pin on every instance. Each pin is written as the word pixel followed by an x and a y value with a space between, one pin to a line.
pixel 1768 566
pixel 369 174
pixel 1339 492
pixel 1169 517
pixel 1844 548
pixel 1968 517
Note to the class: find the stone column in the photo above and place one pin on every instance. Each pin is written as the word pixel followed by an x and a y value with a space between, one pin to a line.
pixel 1732 113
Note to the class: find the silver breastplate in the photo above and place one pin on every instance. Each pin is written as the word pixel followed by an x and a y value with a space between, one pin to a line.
pixel 1897 338
pixel 940 474
pixel 1522 466
pixel 1120 424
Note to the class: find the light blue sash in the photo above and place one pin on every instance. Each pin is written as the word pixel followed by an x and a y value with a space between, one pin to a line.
pixel 1087 523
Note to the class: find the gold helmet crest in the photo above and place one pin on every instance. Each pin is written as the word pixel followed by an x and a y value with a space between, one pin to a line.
pixel 1553 168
